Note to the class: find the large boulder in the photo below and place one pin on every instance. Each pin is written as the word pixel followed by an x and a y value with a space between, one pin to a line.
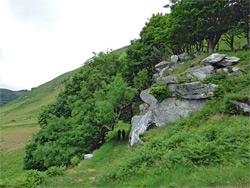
pixel 161 65
pixel 174 58
pixel 147 98
pixel 214 58
pixel 195 90
pixel 169 110
pixel 167 80
pixel 228 61
pixel 243 107
pixel 202 72
pixel 139 125
pixel 172 109
pixel 184 56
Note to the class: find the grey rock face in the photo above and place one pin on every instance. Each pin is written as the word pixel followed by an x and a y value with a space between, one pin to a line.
pixel 202 72
pixel 144 108
pixel 244 107
pixel 162 65
pixel 163 71
pixel 228 61
pixel 167 80
pixel 174 58
pixel 212 59
pixel 195 90
pixel 140 125
pixel 147 98
pixel 236 71
pixel 184 56
pixel 171 109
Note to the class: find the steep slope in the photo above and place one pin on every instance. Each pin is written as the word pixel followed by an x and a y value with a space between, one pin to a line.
pixel 19 122
pixel 210 148
pixel 7 95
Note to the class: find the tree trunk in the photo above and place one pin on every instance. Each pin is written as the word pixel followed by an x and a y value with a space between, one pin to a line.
pixel 232 43
pixel 210 46
pixel 212 41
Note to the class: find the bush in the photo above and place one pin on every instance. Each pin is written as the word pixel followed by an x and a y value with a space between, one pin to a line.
pixel 161 92
pixel 75 161
pixel 30 178
pixel 56 171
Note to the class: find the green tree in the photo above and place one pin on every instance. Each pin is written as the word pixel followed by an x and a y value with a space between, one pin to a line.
pixel 90 105
pixel 201 20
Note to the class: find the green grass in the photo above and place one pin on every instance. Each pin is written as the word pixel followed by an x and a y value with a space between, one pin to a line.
pixel 18 122
pixel 11 164
pixel 89 171
pixel 210 148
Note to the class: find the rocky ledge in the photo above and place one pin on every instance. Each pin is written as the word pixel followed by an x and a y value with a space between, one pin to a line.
pixel 187 96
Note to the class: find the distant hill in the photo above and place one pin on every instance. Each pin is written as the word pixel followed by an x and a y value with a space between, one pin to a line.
pixel 7 95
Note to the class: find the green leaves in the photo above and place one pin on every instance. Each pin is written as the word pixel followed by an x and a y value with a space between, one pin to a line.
pixel 96 96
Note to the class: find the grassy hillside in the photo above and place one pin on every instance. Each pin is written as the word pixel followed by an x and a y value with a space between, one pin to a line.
pixel 7 95
pixel 19 123
pixel 208 149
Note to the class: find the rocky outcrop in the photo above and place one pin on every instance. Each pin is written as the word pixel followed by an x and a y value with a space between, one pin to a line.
pixel 202 72
pixel 172 109
pixel 174 58
pixel 243 107
pixel 140 124
pixel 188 94
pixel 195 90
pixel 220 60
pixel 184 56
pixel 167 80
pixel 214 58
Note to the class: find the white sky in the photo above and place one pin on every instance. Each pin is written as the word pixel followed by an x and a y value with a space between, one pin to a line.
pixel 42 39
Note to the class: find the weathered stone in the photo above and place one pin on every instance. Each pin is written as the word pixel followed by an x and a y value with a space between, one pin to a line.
pixel 88 156
pixel 242 106
pixel 139 125
pixel 174 58
pixel 202 72
pixel 198 54
pixel 184 56
pixel 171 109
pixel 195 90
pixel 147 98
pixel 214 58
pixel 228 61
pixel 162 65
pixel 225 70
pixel 163 71
pixel 167 80
pixel 172 87
pixel 236 71
pixel 178 65
pixel 143 108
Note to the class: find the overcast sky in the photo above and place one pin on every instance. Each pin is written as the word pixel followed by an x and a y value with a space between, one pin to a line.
pixel 42 39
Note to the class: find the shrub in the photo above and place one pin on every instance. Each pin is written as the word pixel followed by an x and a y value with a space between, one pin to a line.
pixel 75 161
pixel 56 171
pixel 161 92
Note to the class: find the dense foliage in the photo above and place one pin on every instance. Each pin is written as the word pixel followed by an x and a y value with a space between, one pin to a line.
pixel 7 96
pixel 95 98
pixel 106 87
pixel 216 137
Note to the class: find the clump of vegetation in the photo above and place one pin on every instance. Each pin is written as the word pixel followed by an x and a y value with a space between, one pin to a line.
pixel 30 178
pixel 161 92
pixel 56 171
